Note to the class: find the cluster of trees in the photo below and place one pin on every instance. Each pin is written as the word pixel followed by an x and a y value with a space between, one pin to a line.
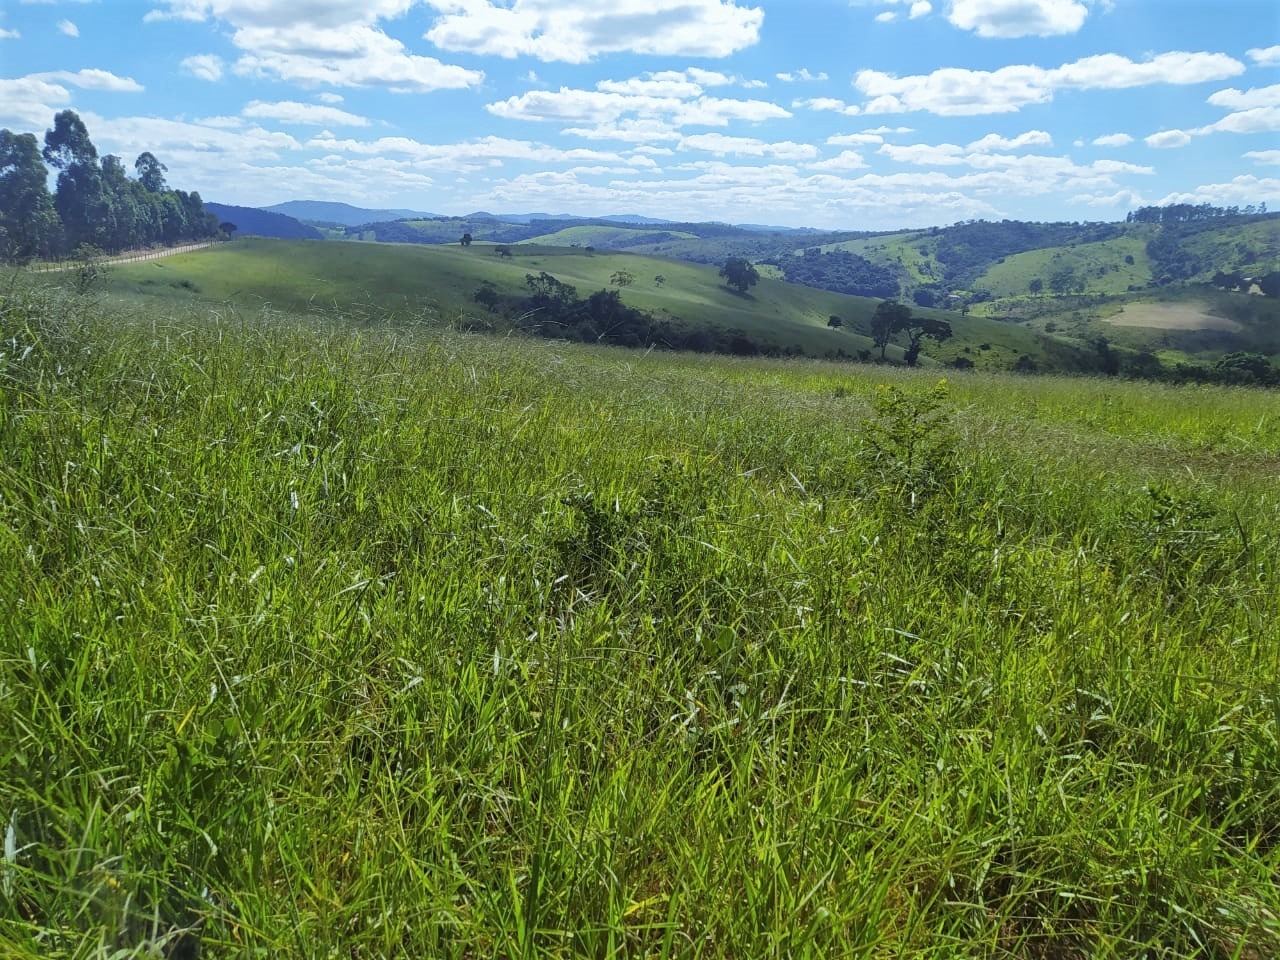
pixel 893 318
pixel 1191 213
pixel 1241 368
pixel 96 202
pixel 1268 283
pixel 839 271
pixel 554 309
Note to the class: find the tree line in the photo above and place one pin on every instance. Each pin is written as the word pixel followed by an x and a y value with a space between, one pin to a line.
pixel 95 203
pixel 554 309
pixel 1191 213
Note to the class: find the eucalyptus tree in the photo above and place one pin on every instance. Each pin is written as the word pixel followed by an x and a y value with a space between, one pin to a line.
pixel 29 224
pixel 81 198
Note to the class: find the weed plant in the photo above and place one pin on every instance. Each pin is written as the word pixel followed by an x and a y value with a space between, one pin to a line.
pixel 347 639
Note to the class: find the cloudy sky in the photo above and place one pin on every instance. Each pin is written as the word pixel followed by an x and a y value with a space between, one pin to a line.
pixel 830 113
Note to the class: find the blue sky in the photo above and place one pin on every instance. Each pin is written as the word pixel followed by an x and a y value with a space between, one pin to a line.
pixel 859 114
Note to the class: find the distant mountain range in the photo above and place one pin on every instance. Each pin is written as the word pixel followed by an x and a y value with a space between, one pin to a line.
pixel 344 214
pixel 326 211
pixel 252 221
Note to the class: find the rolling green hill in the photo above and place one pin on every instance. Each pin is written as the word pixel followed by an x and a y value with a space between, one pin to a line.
pixel 1105 267
pixel 984 261
pixel 609 237
pixel 437 284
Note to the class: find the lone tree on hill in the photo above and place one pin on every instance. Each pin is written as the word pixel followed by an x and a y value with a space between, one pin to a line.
pixel 892 318
pixel 739 273
pixel 466 240
pixel 916 329
pixel 888 319
pixel 834 322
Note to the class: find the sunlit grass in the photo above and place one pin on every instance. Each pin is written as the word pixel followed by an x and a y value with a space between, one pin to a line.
pixel 384 640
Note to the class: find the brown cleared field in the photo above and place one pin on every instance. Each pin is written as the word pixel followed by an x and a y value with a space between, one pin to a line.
pixel 1172 316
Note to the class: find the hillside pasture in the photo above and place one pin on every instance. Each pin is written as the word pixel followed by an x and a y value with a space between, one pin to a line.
pixel 1100 268
pixel 437 284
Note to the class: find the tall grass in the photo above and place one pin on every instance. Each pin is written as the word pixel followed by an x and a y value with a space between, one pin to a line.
pixel 371 640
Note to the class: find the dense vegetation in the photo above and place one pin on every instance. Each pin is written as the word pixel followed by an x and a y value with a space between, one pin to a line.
pixel 360 638
pixel 838 270
pixel 554 309
pixel 96 203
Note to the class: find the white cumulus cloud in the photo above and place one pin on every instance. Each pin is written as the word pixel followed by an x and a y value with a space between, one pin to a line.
pixel 609 109
pixel 92 79
pixel 1168 139
pixel 323 42
pixel 802 74
pixel 1018 18
pixel 844 160
pixel 1234 99
pixel 1265 56
pixel 68 29
pixel 1032 138
pixel 953 91
pixel 1113 140
pixel 829 104
pixel 203 66
pixel 577 31
pixel 1244 189
pixel 924 154
pixel 289 111
pixel 722 145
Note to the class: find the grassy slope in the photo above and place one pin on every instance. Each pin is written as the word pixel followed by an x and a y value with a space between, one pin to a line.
pixel 438 282
pixel 396 642
pixel 603 236
pixel 1251 248
pixel 902 251
pixel 1101 265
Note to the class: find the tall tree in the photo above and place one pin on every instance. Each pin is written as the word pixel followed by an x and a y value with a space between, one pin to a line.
pixel 29 225
pixel 122 226
pixel 81 195
pixel 739 273
pixel 916 329
pixel 889 318
pixel 68 144
pixel 892 318
pixel 150 172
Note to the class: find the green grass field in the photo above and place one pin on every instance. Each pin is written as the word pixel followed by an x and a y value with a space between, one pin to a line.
pixel 437 283
pixel 344 635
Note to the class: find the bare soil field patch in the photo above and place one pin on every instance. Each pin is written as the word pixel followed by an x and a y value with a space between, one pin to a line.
pixel 1171 316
